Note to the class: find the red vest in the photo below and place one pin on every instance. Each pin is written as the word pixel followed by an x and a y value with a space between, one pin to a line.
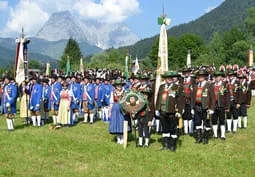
pixel 199 94
pixel 216 91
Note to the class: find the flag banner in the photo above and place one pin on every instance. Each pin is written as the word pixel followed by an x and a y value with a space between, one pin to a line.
pixel 81 65
pixel 160 21
pixel 126 67
pixel 47 73
pixel 189 59
pixel 68 66
pixel 137 67
pixel 20 71
pixel 250 58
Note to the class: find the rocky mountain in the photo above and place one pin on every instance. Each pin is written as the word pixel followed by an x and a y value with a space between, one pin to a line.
pixel 63 25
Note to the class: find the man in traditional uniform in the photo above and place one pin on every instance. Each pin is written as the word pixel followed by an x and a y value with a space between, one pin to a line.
pixel 98 97
pixel 107 94
pixel 222 104
pixel 169 105
pixel 243 99
pixel 45 100
pixel 88 97
pixel 75 91
pixel 144 117
pixel 188 84
pixel 9 96
pixel 56 88
pixel 35 91
pixel 203 104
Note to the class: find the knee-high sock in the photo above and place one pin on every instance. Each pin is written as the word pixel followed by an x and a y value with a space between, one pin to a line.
pixel 34 120
pixel 190 126
pixel 11 124
pixel 38 121
pixel 140 141
pixel 245 122
pixel 157 125
pixel 235 125
pixel 185 122
pixel 8 124
pixel 239 122
pixel 229 122
pixel 118 139
pixel 100 114
pixel 85 117
pixel 222 130
pixel 121 139
pixel 54 118
pixel 91 117
pixel 146 142
pixel 215 130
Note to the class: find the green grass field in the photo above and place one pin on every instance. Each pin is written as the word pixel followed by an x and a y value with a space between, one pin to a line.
pixel 89 150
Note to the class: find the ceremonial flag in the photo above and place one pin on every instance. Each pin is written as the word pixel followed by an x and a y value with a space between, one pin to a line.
pixel 137 67
pixel 81 66
pixel 189 59
pixel 126 67
pixel 20 71
pixel 250 58
pixel 68 66
pixel 47 73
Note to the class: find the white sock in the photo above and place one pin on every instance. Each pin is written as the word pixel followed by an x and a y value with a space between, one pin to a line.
pixel 190 126
pixel 121 139
pixel 38 121
pixel 235 125
pixel 140 141
pixel 76 117
pixel 245 122
pixel 185 123
pixel 146 142
pixel 11 123
pixel 157 125
pixel 34 120
pixel 99 114
pixel 85 117
pixel 54 120
pixel 222 128
pixel 229 122
pixel 215 130
pixel 91 117
pixel 118 139
pixel 239 122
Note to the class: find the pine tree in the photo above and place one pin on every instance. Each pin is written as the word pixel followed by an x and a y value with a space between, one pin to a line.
pixel 72 50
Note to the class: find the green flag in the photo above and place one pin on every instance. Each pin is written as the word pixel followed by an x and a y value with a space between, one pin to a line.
pixel 68 66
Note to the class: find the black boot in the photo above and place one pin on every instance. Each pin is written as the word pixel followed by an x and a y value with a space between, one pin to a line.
pixel 173 144
pixel 206 136
pixel 165 143
pixel 199 136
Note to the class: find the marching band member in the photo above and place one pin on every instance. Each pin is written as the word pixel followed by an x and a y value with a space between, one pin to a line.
pixel 107 92
pixel 98 98
pixel 88 97
pixel 203 105
pixel 9 95
pixel 169 103
pixel 35 92
pixel 45 100
pixel 55 98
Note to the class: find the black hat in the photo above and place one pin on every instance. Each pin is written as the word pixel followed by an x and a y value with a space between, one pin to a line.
pixel 202 73
pixel 168 74
pixel 118 82
pixel 54 76
pixel 219 73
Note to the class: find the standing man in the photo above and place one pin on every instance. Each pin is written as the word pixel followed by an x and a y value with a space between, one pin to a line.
pixel 9 96
pixel 56 88
pixel 35 91
pixel 46 100
pixel 203 105
pixel 88 98
pixel 98 97
pixel 75 91
pixel 222 104
pixel 169 105
pixel 107 94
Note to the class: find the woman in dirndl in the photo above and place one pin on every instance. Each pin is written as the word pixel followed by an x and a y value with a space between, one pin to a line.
pixel 64 106
pixel 24 112
pixel 117 116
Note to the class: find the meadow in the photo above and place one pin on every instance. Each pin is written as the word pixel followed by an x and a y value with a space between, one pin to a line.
pixel 89 150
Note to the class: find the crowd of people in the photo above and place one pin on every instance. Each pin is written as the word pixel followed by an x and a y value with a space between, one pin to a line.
pixel 191 102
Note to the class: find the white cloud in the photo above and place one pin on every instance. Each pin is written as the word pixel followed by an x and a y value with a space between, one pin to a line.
pixel 111 11
pixel 3 5
pixel 209 9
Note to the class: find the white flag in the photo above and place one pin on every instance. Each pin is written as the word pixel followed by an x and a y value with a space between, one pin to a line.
pixel 20 72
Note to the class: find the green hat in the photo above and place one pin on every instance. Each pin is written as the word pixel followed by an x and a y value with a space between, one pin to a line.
pixel 170 74
pixel 219 73
pixel 118 82
pixel 186 70
pixel 144 77
pixel 241 76
pixel 231 73
pixel 202 73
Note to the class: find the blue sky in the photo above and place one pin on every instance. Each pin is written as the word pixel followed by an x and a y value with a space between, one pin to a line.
pixel 139 15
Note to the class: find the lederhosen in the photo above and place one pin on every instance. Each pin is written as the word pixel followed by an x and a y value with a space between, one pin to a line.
pixel 232 96
pixel 187 95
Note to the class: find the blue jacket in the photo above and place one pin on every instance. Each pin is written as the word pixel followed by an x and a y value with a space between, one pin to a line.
pixel 56 88
pixel 89 90
pixel 107 90
pixel 75 91
pixel 46 95
pixel 35 92
pixel 100 95
pixel 9 97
